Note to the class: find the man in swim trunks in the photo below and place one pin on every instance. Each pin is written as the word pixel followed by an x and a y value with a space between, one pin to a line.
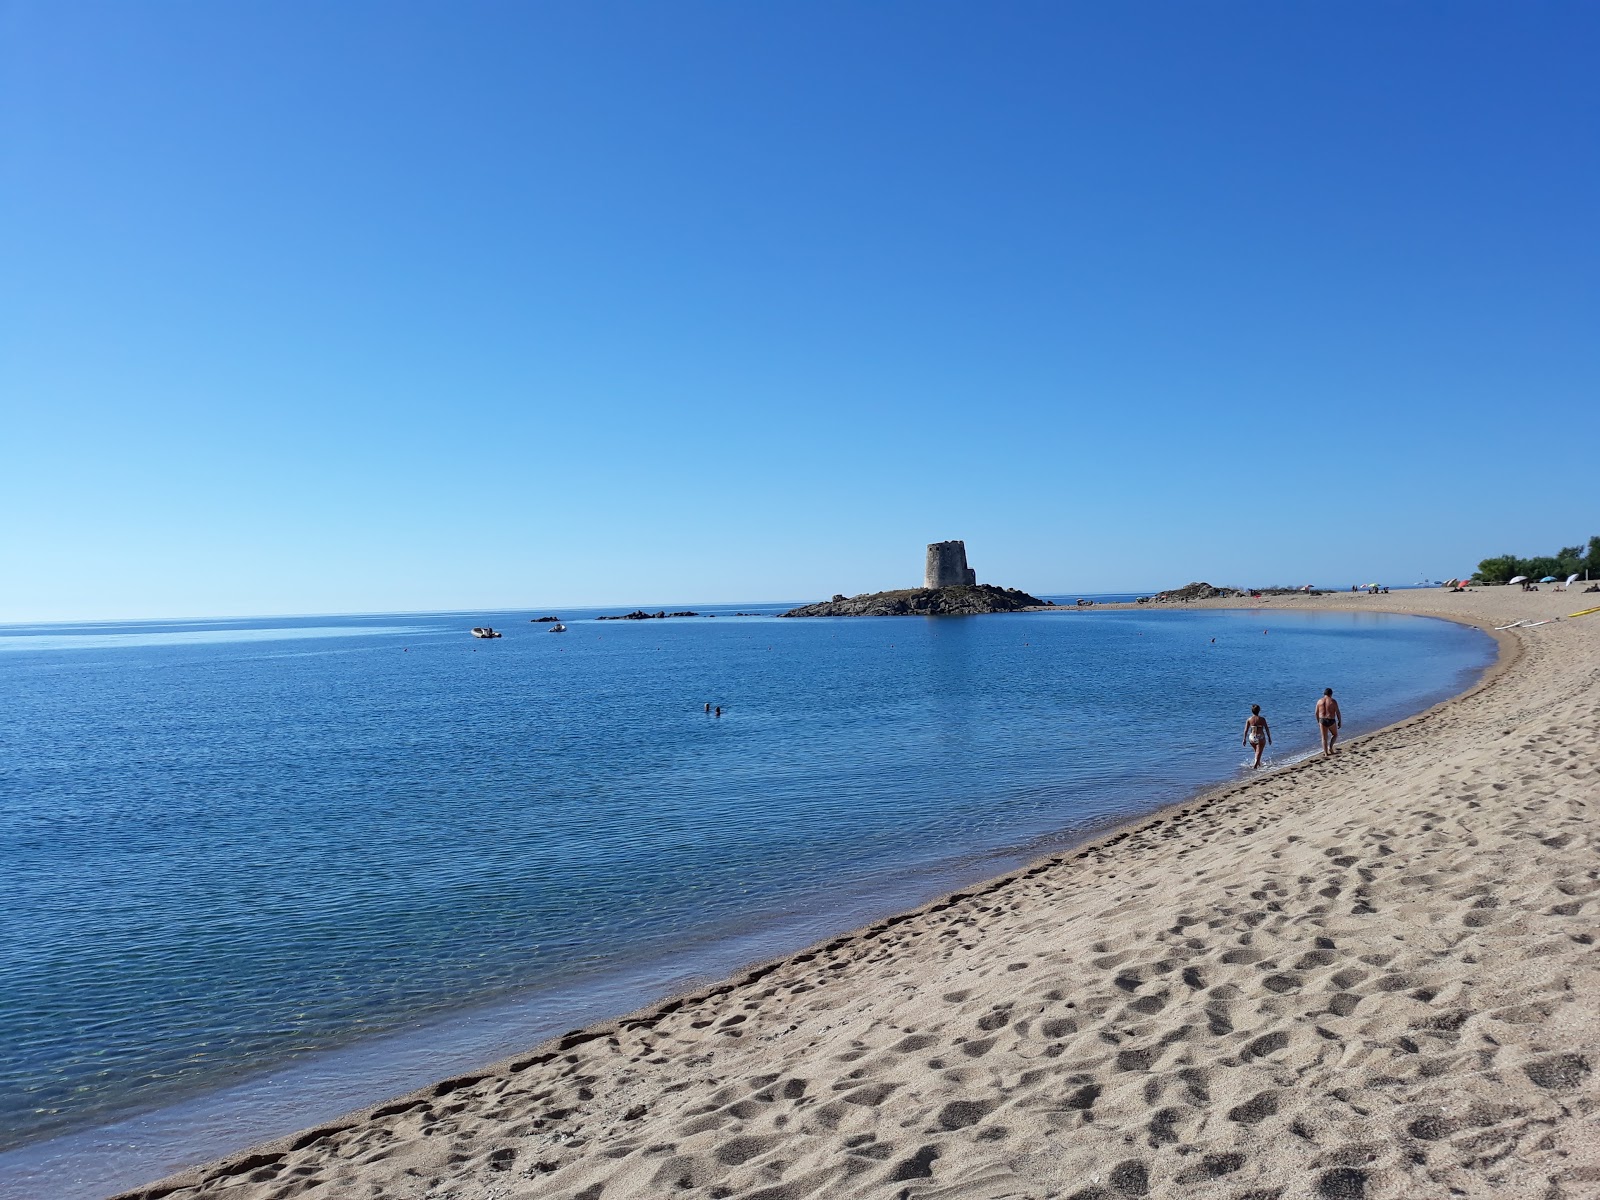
pixel 1257 733
pixel 1330 719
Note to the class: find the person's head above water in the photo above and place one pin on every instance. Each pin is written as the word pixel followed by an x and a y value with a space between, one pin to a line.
pixel 1255 710
pixel 1327 691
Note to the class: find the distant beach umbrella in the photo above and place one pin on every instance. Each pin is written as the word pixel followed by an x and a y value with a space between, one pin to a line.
pixel 1571 579
pixel 1548 579
pixel 1518 579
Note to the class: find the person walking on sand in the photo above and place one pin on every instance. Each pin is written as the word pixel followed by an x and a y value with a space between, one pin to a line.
pixel 1257 733
pixel 1330 719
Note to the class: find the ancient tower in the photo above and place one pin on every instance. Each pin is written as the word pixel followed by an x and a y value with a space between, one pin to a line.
pixel 947 566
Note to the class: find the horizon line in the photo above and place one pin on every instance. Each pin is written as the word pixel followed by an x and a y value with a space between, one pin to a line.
pixel 431 612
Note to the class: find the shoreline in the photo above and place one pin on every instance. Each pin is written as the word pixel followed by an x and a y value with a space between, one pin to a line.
pixel 320 1075
pixel 1100 845
pixel 210 1120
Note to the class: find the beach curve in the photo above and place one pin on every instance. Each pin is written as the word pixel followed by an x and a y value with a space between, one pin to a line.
pixel 1372 976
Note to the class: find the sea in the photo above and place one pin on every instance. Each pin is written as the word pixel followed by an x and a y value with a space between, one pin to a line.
pixel 257 873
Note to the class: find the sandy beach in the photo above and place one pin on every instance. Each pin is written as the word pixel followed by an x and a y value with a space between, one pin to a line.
pixel 1366 976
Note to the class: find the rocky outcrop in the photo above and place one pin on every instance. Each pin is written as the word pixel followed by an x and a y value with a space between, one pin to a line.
pixel 1194 591
pixel 963 601
pixel 639 614
pixel 1204 591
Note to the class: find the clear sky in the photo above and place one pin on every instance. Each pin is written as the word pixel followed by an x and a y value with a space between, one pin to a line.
pixel 366 306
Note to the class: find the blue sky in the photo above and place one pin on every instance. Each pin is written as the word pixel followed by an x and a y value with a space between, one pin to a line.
pixel 382 306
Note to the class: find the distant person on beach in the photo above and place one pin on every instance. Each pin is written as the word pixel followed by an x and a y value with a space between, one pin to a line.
pixel 1330 719
pixel 1257 733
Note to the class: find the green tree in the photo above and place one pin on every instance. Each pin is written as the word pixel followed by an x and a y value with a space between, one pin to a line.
pixel 1569 560
pixel 1499 570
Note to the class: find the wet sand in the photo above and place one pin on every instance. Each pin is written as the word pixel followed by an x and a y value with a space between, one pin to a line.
pixel 1367 976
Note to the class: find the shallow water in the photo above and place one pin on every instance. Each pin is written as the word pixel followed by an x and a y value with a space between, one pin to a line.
pixel 254 854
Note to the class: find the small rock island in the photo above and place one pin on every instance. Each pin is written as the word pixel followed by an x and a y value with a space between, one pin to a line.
pixel 639 614
pixel 950 589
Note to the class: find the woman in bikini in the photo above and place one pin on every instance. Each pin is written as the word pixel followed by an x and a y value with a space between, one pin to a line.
pixel 1257 733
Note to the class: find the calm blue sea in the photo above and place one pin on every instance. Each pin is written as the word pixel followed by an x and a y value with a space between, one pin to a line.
pixel 250 868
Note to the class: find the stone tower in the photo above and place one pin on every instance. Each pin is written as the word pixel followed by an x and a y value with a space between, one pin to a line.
pixel 947 566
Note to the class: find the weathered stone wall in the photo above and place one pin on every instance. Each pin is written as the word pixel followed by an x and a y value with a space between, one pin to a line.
pixel 947 566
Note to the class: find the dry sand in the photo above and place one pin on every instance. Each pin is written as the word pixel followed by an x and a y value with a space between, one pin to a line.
pixel 1371 976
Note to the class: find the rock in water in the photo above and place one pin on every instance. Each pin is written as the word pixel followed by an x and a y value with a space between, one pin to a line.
pixel 961 601
pixel 1194 591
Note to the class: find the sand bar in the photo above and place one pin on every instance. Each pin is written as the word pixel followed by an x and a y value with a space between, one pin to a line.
pixel 1371 976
